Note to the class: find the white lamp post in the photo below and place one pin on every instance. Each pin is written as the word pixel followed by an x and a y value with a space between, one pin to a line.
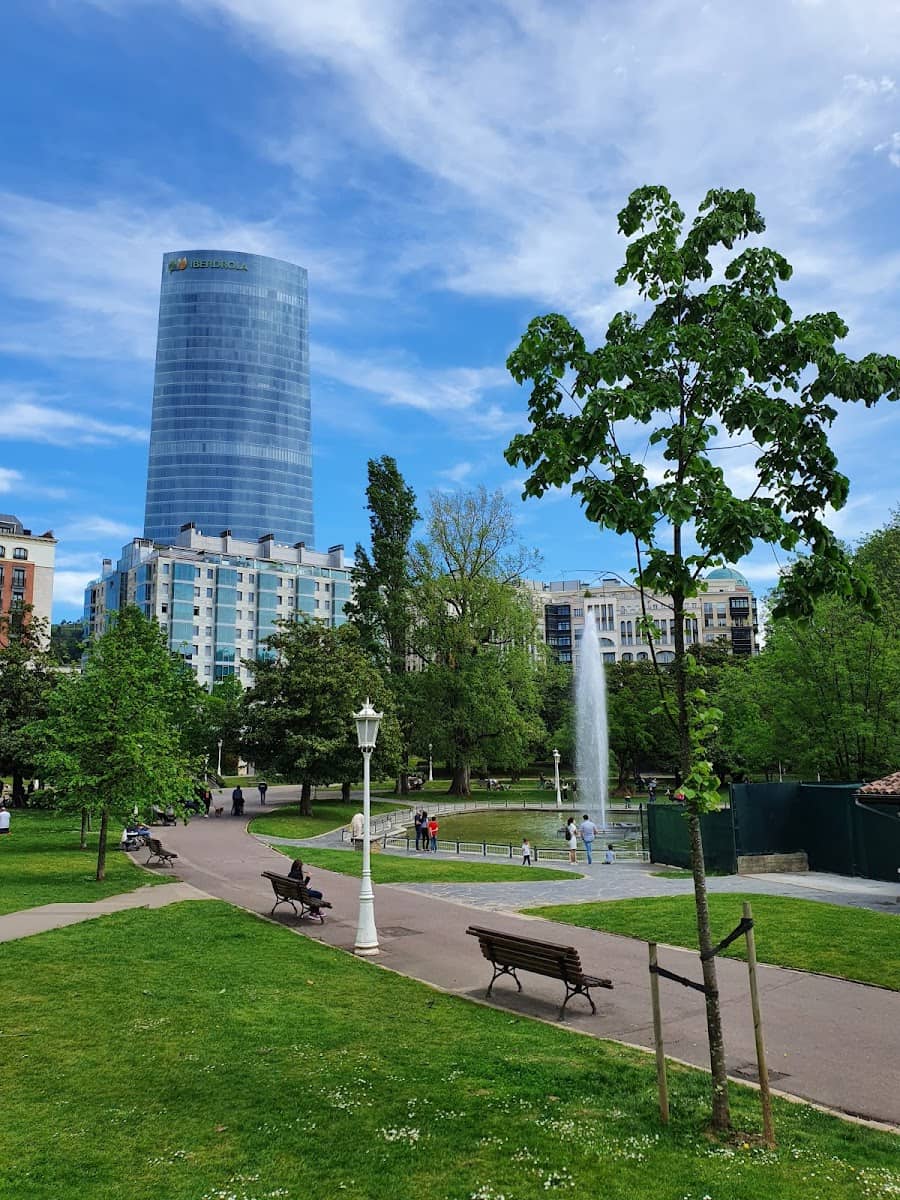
pixel 367 720
pixel 219 768
pixel 556 778
pixel 430 773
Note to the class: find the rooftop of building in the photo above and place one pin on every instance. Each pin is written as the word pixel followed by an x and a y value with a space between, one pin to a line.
pixel 11 525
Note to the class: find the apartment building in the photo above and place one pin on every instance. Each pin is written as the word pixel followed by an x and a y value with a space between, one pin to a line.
pixel 218 597
pixel 27 563
pixel 725 612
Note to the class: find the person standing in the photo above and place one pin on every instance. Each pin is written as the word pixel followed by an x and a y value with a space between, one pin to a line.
pixel 526 852
pixel 237 802
pixel 417 821
pixel 572 839
pixel 263 788
pixel 432 833
pixel 425 830
pixel 4 819
pixel 207 800
pixel 588 833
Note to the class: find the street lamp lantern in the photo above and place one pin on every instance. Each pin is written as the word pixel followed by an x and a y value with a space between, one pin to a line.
pixel 556 778
pixel 219 765
pixel 367 721
pixel 430 771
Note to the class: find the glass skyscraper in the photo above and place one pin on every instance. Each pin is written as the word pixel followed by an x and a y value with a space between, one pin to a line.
pixel 230 435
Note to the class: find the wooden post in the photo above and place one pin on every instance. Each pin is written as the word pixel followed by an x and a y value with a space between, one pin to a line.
pixel 765 1097
pixel 661 1082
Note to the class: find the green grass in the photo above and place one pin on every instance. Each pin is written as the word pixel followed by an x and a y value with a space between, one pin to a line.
pixel 327 815
pixel 674 873
pixel 247 1062
pixel 425 868
pixel 852 943
pixel 40 863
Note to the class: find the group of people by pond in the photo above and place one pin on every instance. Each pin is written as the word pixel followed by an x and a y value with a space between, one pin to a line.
pixel 426 830
pixel 587 831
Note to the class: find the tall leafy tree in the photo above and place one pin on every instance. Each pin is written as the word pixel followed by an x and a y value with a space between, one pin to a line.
pixel 706 365
pixel 112 739
pixel 639 732
pixel 67 642
pixel 26 680
pixel 382 606
pixel 476 698
pixel 298 715
pixel 224 717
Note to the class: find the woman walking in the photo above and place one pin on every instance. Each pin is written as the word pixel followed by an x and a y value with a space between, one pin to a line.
pixel 572 839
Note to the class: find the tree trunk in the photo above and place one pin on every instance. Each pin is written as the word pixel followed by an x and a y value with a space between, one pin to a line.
pixel 18 788
pixel 345 791
pixel 84 828
pixel 460 784
pixel 401 787
pixel 306 799
pixel 721 1117
pixel 101 849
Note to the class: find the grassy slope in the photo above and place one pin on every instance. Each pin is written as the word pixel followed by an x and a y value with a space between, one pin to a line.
pixel 853 943
pixel 327 815
pixel 425 868
pixel 40 863
pixel 247 1062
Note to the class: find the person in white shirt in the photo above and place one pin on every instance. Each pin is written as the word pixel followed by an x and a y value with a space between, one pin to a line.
pixel 572 839
pixel 610 856
pixel 4 819
pixel 526 852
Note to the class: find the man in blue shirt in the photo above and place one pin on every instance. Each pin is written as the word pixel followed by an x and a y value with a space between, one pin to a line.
pixel 588 833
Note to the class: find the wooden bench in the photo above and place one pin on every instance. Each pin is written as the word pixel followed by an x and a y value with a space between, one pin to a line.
pixel 158 852
pixel 294 892
pixel 508 953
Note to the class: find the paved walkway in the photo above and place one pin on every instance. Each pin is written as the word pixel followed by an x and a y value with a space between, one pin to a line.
pixel 55 916
pixel 828 1040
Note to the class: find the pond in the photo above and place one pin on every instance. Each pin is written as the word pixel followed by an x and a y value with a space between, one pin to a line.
pixel 541 828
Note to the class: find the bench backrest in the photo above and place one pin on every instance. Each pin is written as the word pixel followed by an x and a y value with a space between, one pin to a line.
pixel 295 889
pixel 155 845
pixel 541 958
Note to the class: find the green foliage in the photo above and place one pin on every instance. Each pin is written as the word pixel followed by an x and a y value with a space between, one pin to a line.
pixel 476 699
pixel 112 739
pixel 640 701
pixel 298 715
pixel 26 681
pixel 224 716
pixel 382 602
pixel 67 642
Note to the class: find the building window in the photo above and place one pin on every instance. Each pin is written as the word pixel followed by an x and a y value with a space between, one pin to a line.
pixel 164 608
pixel 240 576
pixel 207 651
pixel 165 568
pixel 196 634
pixel 209 593
pixel 251 596
pixel 20 552
pixel 237 634
pixel 209 612
pixel 251 577
pixel 208 631
pixel 2 552
pixel 240 595
pixel 207 670
pixel 196 610
pixel 18 577
pixel 209 572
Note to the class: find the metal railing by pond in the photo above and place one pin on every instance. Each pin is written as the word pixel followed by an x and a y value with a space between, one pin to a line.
pixel 403 816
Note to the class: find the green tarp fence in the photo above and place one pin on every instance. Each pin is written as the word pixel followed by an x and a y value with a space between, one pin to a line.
pixel 823 819
pixel 669 842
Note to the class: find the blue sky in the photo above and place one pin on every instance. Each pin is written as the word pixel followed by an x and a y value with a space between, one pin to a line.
pixel 445 172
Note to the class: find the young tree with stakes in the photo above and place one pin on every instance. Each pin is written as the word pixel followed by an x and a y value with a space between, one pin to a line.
pixel 706 367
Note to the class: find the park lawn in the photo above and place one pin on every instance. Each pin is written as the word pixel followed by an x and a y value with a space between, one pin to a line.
pixel 832 939
pixel 426 868
pixel 247 1062
pixel 40 863
pixel 327 815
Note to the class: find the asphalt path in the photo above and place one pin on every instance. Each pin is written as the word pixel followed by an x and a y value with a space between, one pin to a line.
pixel 829 1041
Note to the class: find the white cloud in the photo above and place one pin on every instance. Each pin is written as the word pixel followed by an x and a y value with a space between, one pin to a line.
pixel 10 480
pixel 68 587
pixel 93 525
pixel 454 394
pixel 27 420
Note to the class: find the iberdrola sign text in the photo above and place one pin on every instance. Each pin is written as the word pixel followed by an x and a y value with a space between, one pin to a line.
pixel 198 264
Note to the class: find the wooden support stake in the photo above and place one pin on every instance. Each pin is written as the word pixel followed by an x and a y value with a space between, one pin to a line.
pixel 765 1097
pixel 661 1082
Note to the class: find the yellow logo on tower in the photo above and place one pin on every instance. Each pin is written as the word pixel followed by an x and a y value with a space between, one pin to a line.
pixel 177 264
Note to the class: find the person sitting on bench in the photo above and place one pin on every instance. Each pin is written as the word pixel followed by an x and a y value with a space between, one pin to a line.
pixel 296 872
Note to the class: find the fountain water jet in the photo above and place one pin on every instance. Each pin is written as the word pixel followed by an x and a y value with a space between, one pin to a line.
pixel 591 734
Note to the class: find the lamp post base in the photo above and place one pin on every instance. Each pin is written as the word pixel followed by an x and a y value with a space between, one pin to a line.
pixel 366 951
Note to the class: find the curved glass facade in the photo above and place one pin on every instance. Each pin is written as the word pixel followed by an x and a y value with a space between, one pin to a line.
pixel 230 435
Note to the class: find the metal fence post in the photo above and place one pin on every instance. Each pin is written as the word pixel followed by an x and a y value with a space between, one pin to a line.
pixel 765 1098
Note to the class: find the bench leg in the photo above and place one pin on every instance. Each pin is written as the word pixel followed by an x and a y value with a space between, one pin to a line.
pixel 498 971
pixel 284 900
pixel 570 992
